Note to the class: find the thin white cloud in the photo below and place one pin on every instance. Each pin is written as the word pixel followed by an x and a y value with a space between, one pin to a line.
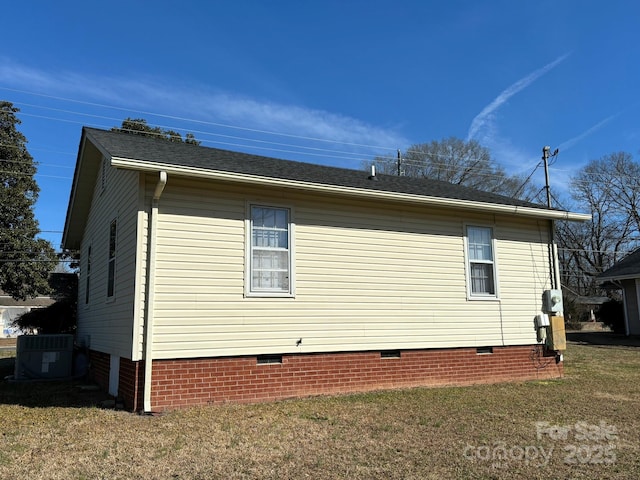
pixel 303 121
pixel 567 144
pixel 200 105
pixel 484 122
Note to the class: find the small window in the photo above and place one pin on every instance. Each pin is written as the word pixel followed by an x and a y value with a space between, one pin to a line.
pixel 481 264
pixel 111 279
pixel 269 261
pixel 268 359
pixel 484 350
pixel 390 354
pixel 87 283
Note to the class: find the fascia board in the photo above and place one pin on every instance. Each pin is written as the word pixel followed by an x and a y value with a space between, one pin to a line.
pixel 345 191
pixel 615 278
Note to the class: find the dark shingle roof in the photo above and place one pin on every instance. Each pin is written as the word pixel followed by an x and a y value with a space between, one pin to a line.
pixel 628 267
pixel 137 147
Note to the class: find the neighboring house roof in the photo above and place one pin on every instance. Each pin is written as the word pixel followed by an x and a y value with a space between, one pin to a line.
pixel 9 301
pixel 595 300
pixel 627 268
pixel 143 153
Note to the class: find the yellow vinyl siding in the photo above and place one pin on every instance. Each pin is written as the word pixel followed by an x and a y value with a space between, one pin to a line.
pixel 524 275
pixel 141 272
pixel 368 277
pixel 106 324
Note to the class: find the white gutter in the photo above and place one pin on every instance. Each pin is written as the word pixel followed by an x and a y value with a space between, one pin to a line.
pixel 146 166
pixel 151 280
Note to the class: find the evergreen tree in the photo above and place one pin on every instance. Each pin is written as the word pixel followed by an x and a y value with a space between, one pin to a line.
pixel 25 260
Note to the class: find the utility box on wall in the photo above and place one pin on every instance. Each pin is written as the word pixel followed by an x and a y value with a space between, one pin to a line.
pixel 552 301
pixel 558 340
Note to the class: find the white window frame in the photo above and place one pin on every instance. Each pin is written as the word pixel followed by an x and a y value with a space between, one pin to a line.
pixel 249 289
pixel 493 262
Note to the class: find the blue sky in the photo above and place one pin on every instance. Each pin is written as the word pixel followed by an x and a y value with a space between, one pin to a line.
pixel 332 82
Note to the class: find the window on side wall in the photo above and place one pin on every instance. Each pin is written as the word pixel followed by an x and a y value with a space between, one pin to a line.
pixel 481 267
pixel 111 278
pixel 87 285
pixel 270 253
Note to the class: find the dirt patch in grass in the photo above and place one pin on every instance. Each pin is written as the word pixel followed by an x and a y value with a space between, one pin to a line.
pixel 582 426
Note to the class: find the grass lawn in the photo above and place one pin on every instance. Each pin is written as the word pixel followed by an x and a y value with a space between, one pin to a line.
pixel 586 425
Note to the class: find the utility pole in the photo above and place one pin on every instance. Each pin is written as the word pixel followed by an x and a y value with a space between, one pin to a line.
pixel 545 159
pixel 399 163
pixel 553 248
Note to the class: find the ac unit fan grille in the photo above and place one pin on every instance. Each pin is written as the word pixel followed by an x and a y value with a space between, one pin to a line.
pixel 45 342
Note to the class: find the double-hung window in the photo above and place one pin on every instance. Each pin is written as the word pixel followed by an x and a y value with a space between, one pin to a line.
pixel 270 264
pixel 481 262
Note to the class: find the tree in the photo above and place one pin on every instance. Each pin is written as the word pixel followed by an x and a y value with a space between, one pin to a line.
pixel 139 126
pixel 25 260
pixel 59 317
pixel 456 161
pixel 609 189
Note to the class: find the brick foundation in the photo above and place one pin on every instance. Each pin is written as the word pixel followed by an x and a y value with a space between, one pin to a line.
pixel 202 381
pixel 131 386
pixel 99 369
pixel 131 378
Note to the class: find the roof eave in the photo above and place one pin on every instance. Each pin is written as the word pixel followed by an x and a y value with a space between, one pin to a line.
pixel 146 166
pixel 66 233
pixel 81 186
pixel 615 278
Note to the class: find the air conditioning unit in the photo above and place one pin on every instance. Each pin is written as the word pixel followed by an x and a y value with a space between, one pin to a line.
pixel 44 356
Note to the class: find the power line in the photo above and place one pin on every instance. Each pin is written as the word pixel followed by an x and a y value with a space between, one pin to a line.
pixel 326 153
pixel 351 157
pixel 289 148
pixel 35 163
pixel 191 120
pixel 57 260
pixel 227 144
pixel 201 132
pixel 35 174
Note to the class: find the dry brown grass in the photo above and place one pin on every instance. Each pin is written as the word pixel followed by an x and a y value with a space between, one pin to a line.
pixel 408 434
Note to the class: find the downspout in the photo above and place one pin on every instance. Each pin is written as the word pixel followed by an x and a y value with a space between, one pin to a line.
pixel 627 331
pixel 150 296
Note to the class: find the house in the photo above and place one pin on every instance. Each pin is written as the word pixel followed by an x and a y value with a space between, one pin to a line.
pixel 213 276
pixel 62 285
pixel 582 308
pixel 626 275
pixel 11 309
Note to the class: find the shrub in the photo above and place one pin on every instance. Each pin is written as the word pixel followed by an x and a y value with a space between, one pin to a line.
pixel 611 313
pixel 571 324
pixel 59 317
